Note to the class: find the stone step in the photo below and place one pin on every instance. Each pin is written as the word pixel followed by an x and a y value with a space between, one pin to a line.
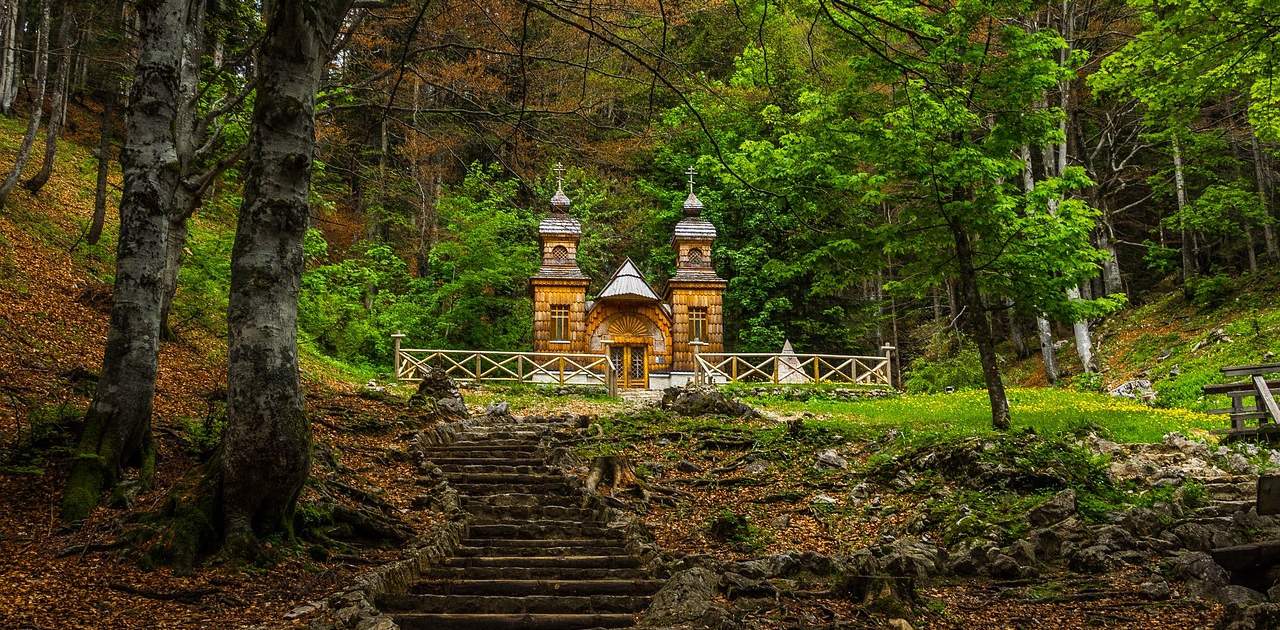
pixel 593 549
pixel 518 498
pixel 481 449
pixel 495 444
pixel 491 513
pixel 555 491
pixel 514 479
pixel 528 530
pixel 532 573
pixel 461 470
pixel 466 621
pixel 578 562
pixel 488 461
pixel 536 587
pixel 573 604
pixel 1225 507
pixel 534 542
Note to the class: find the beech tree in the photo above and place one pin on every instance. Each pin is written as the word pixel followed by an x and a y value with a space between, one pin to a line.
pixel 37 104
pixel 58 104
pixel 117 430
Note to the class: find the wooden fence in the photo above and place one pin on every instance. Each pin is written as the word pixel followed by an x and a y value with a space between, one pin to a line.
pixel 482 366
pixel 764 367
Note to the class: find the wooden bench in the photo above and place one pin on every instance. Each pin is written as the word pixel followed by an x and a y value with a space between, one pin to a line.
pixel 1263 392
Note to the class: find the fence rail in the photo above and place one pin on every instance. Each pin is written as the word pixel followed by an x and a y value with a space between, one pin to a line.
pixel 513 367
pixel 764 367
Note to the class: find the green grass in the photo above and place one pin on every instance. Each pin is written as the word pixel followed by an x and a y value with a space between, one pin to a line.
pixel 965 414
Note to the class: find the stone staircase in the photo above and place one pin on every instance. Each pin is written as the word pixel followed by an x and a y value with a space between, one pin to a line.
pixel 533 557
pixel 641 397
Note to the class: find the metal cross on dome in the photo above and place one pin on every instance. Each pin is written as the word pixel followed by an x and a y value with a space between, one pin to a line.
pixel 690 172
pixel 559 169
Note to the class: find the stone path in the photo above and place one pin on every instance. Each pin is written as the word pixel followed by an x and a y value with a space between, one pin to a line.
pixel 533 556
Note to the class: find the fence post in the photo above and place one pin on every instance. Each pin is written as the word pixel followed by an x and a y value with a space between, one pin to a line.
pixel 611 381
pixel 888 363
pixel 562 370
pixel 395 360
pixel 817 372
pixel 477 375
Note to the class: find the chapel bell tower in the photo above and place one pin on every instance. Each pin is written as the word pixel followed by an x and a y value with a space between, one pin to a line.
pixel 559 287
pixel 696 293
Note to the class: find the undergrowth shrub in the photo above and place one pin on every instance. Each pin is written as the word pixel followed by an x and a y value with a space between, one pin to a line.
pixel 950 360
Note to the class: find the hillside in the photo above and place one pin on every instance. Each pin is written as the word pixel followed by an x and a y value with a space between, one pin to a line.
pixel 55 297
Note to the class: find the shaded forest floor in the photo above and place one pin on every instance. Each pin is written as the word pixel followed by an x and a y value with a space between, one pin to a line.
pixel 55 297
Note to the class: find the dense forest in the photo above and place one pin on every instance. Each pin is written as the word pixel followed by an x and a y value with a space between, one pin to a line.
pixel 978 175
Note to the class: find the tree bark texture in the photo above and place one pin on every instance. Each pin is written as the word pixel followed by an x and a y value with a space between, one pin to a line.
pixel 1188 253
pixel 10 68
pixel 118 424
pixel 266 447
pixel 58 104
pixel 104 169
pixel 37 103
pixel 978 322
pixel 1044 330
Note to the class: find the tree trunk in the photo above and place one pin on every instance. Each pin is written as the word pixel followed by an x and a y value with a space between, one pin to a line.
pixel 104 169
pixel 118 424
pixel 9 66
pixel 1048 354
pixel 1188 256
pixel 1112 281
pixel 1264 191
pixel 266 447
pixel 174 247
pixel 1016 339
pixel 979 325
pixel 37 104
pixel 57 115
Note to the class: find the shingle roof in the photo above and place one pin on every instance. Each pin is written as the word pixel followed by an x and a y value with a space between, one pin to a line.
pixel 560 223
pixel 627 282
pixel 560 273
pixel 696 275
pixel 695 227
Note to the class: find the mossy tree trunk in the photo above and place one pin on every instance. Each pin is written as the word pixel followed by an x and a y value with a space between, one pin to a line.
pixel 118 425
pixel 266 447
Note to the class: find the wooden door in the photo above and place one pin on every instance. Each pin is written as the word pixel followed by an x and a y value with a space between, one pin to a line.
pixel 630 366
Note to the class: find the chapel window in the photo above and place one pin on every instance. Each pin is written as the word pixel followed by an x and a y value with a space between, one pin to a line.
pixel 697 323
pixel 560 322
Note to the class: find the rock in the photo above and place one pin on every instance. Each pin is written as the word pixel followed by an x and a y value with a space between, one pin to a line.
pixel 703 400
pixel 1137 389
pixel 825 501
pixel 1145 521
pixel 1055 510
pixel 736 585
pixel 1273 593
pixel 781 522
pixel 1046 543
pixel 434 389
pixel 1022 551
pixel 899 623
pixel 687 466
pixel 1113 538
pixel 1236 598
pixel 1093 559
pixel 1201 536
pixel 687 600
pixel 969 557
pixel 1202 575
pixel 864 578
pixel 303 610
pixel 1239 464
pixel 1156 590
pixel 832 459
pixel 910 557
pixel 1001 565
pixel 452 407
pixel 1256 617
pixel 499 410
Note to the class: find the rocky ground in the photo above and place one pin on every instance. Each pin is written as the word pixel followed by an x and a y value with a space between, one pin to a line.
pixel 769 524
